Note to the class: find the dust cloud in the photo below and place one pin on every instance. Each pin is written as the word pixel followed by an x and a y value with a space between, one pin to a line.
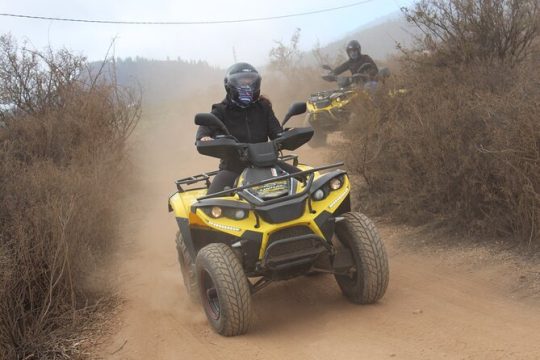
pixel 305 318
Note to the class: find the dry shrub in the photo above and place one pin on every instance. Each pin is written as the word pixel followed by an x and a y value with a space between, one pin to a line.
pixel 289 78
pixel 283 91
pixel 62 152
pixel 487 31
pixel 460 147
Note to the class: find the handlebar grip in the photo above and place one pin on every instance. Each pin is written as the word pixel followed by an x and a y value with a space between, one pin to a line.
pixel 329 77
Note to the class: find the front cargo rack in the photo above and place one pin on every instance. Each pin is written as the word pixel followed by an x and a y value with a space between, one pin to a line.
pixel 309 173
pixel 204 177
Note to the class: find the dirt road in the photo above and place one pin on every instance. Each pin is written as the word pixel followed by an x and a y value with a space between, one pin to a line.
pixel 432 309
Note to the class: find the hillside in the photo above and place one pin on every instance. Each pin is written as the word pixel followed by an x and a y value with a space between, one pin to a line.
pixel 167 81
pixel 379 38
pixel 164 81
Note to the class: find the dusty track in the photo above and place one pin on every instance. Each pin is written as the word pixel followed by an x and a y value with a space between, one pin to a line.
pixel 432 310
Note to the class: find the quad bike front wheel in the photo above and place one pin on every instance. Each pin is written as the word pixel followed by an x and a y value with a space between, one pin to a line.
pixel 187 266
pixel 368 280
pixel 224 289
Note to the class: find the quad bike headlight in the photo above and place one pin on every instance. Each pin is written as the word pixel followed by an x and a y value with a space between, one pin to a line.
pixel 335 184
pixel 332 185
pixel 318 195
pixel 240 214
pixel 216 212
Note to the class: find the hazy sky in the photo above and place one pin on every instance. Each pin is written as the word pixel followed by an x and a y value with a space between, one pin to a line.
pixel 214 43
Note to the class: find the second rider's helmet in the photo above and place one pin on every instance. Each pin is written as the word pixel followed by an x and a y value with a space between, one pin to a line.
pixel 243 84
pixel 354 50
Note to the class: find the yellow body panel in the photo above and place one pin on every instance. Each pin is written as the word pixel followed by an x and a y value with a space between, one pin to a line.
pixel 330 204
pixel 181 202
pixel 181 205
pixel 334 104
pixel 341 102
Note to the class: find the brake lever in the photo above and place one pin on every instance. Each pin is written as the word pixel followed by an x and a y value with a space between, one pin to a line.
pixel 283 132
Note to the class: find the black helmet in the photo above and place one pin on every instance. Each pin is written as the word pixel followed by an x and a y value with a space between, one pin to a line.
pixel 354 50
pixel 243 84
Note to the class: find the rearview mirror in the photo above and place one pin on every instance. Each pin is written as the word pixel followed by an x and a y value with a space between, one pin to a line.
pixel 296 109
pixel 329 77
pixel 210 120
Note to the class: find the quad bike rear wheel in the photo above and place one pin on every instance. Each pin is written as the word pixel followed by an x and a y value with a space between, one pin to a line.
pixel 368 281
pixel 224 289
pixel 187 266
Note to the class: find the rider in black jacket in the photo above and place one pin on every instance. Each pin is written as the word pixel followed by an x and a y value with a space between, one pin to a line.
pixel 247 115
pixel 356 61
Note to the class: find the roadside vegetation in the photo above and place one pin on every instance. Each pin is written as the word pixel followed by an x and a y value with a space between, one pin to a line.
pixel 461 146
pixel 63 132
pixel 289 77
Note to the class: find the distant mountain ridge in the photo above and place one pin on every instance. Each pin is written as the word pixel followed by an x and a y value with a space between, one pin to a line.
pixel 379 39
pixel 166 80
pixel 170 80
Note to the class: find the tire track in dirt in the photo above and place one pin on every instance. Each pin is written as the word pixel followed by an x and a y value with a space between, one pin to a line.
pixel 431 310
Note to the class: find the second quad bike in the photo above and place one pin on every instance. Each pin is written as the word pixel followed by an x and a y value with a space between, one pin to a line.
pixel 331 110
pixel 272 225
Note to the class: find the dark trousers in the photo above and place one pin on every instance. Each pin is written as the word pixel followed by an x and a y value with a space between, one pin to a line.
pixel 226 178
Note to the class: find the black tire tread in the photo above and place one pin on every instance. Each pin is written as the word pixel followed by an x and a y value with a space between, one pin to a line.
pixel 190 279
pixel 364 241
pixel 232 287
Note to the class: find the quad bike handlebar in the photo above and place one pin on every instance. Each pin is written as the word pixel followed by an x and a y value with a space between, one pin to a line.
pixel 259 154
pixel 345 81
pixel 210 120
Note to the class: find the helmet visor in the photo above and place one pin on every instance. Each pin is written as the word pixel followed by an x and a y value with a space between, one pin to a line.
pixel 246 87
pixel 243 79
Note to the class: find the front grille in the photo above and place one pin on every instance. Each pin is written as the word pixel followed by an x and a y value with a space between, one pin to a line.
pixel 290 247
pixel 291 251
pixel 289 233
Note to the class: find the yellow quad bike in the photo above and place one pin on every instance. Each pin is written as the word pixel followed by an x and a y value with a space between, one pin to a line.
pixel 329 111
pixel 271 226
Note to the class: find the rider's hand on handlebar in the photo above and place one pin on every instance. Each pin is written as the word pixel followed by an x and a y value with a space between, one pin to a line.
pixel 206 138
pixel 329 77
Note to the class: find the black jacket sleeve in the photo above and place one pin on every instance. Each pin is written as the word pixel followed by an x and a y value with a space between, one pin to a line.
pixel 274 127
pixel 203 131
pixel 373 70
pixel 341 68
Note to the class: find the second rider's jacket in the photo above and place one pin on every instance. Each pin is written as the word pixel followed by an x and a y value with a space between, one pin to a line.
pixel 355 65
pixel 254 124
